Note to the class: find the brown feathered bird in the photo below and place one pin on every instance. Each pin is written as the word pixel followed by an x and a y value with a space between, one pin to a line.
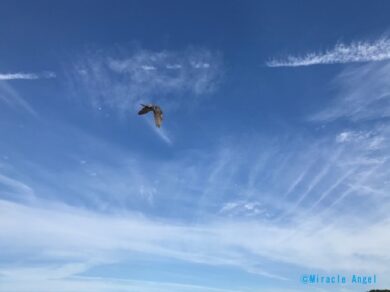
pixel 157 112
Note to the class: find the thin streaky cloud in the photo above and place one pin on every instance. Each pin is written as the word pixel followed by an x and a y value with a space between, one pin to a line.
pixel 378 50
pixel 161 133
pixel 332 188
pixel 297 182
pixel 317 179
pixel 26 76
pixel 15 185
pixel 363 95
pixel 13 99
pixel 351 189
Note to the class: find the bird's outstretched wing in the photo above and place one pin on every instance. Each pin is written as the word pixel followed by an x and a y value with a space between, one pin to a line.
pixel 145 109
pixel 158 116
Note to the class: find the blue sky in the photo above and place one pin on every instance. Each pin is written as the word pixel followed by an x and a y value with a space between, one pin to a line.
pixel 272 160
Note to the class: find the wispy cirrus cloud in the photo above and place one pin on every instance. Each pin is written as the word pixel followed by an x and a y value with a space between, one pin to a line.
pixel 27 76
pixel 378 50
pixel 121 80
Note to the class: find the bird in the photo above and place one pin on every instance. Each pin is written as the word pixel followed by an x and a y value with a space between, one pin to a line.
pixel 157 112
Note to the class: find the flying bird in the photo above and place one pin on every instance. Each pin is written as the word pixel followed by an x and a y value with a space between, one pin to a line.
pixel 157 112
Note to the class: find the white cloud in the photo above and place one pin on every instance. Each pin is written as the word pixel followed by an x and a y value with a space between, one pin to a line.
pixel 373 139
pixel 146 67
pixel 378 50
pixel 344 137
pixel 200 65
pixel 243 209
pixel 173 66
pixel 26 76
